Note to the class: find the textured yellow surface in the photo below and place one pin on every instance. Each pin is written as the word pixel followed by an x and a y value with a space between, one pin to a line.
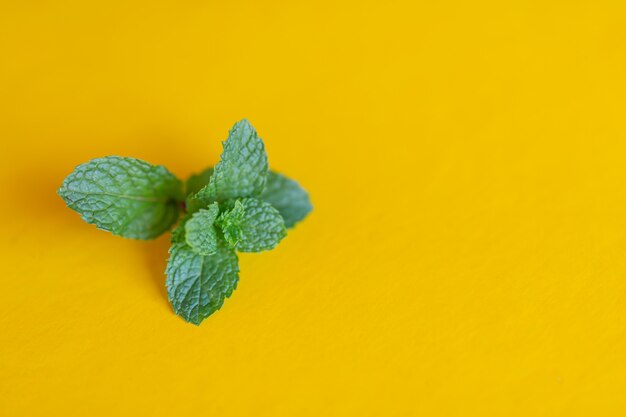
pixel 466 255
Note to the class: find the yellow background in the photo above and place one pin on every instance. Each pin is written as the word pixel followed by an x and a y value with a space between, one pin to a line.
pixel 466 255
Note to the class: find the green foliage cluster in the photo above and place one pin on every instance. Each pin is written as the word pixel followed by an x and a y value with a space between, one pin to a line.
pixel 238 205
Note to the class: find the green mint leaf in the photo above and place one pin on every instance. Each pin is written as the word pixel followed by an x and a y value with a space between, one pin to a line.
pixel 230 222
pixel 197 285
pixel 200 234
pixel 125 196
pixel 286 195
pixel 197 181
pixel 261 226
pixel 242 169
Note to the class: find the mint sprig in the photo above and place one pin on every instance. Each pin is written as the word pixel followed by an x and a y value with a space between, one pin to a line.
pixel 238 205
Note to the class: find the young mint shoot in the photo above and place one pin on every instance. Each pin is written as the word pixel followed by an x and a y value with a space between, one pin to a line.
pixel 238 205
